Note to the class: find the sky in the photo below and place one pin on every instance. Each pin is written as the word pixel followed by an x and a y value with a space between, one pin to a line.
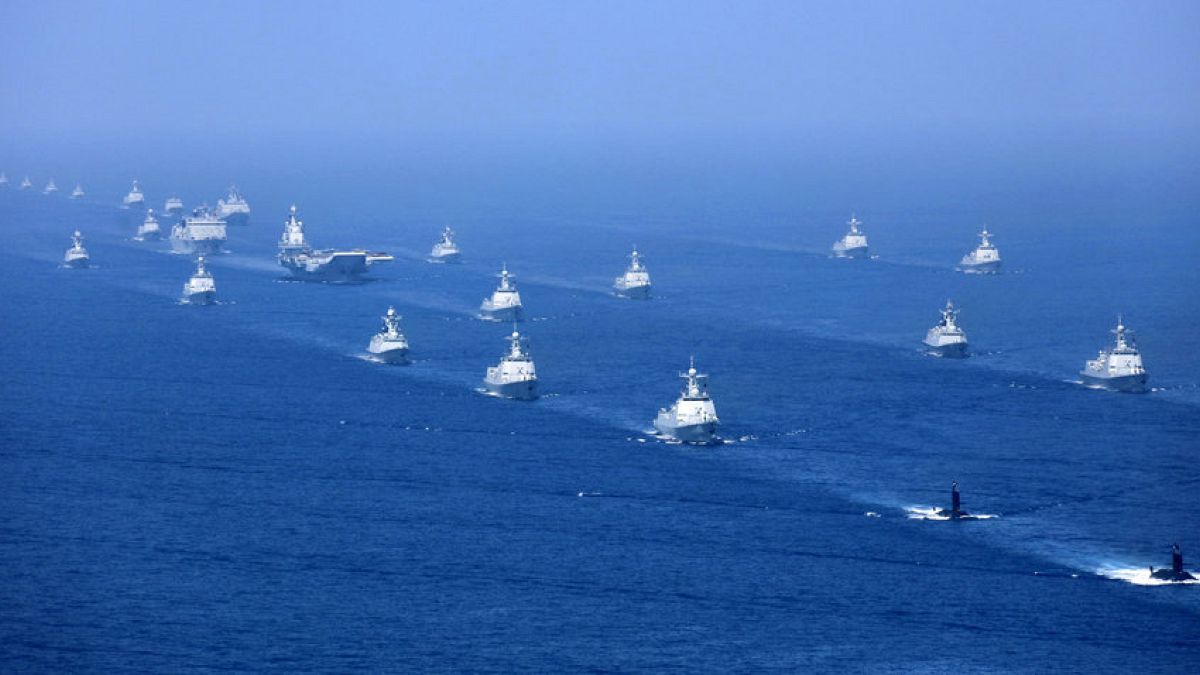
pixel 574 71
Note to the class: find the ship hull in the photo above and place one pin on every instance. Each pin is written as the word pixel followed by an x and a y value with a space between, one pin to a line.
pixel 446 259
pixel 980 268
pixel 633 292
pixel 77 263
pixel 205 298
pixel 704 433
pixel 149 236
pixel 237 219
pixel 524 390
pixel 957 350
pixel 197 246
pixel 503 314
pixel 1130 384
pixel 341 268
pixel 856 252
pixel 395 357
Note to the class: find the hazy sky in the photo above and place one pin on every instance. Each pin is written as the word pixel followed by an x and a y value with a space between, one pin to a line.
pixel 591 70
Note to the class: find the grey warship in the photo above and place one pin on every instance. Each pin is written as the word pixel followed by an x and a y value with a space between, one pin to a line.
pixel 693 417
pixel 309 264
pixel 1119 368
pixel 515 376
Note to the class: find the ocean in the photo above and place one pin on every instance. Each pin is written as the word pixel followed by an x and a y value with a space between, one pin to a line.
pixel 238 487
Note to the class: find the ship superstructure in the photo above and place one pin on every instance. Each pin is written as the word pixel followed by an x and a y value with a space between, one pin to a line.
pixel 854 243
pixel 77 193
pixel 305 262
pixel 50 188
pixel 135 199
pixel 505 302
pixel 233 209
pixel 389 345
pixel 445 251
pixel 1119 368
pixel 149 230
pixel 947 338
pixel 77 256
pixel 635 282
pixel 515 376
pixel 173 206
pixel 693 417
pixel 984 259
pixel 200 289
pixel 200 233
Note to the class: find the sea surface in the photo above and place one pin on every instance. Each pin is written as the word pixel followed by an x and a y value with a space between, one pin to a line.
pixel 239 487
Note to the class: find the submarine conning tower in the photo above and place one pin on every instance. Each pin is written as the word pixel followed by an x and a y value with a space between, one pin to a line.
pixel 955 500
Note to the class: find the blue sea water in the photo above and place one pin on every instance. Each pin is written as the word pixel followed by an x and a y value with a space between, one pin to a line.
pixel 238 487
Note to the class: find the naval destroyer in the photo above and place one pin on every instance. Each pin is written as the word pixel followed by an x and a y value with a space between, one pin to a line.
pixel 389 344
pixel 77 193
pixel 445 251
pixel 200 289
pixel 201 233
pixel 635 282
pixel 1119 368
pixel 51 188
pixel 984 259
pixel 505 302
pixel 946 338
pixel 693 417
pixel 309 264
pixel 173 206
pixel 233 209
pixel 853 244
pixel 76 256
pixel 515 376
pixel 135 199
pixel 26 183
pixel 149 229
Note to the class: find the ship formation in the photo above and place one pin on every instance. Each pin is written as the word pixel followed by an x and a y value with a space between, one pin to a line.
pixel 134 199
pixel 515 376
pixel 445 250
pixel 947 338
pixel 984 259
pixel 149 229
pixel 693 417
pixel 635 282
pixel 853 244
pixel 1119 368
pixel 200 233
pixel 76 257
pixel 233 209
pixel 200 288
pixel 505 302
pixel 389 345
pixel 309 264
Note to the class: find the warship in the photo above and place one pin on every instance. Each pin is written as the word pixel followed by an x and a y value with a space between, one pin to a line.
pixel 693 417
pixel 199 233
pixel 389 344
pixel 149 229
pixel 173 206
pixel 946 338
pixel 135 199
pixel 233 209
pixel 514 377
pixel 77 256
pixel 1119 368
pixel 446 251
pixel 50 188
pixel 77 193
pixel 853 244
pixel 200 289
pixel 505 302
pixel 985 259
pixel 3 179
pixel 1176 573
pixel 309 264
pixel 635 282
pixel 26 183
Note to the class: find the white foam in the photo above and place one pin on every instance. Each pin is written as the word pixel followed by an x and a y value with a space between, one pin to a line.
pixel 933 513
pixel 1140 576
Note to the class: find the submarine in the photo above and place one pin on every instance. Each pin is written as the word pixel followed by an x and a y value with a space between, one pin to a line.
pixel 1176 573
pixel 955 512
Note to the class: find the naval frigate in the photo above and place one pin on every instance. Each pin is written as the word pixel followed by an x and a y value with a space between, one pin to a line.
pixel 135 199
pixel 515 376
pixel 445 250
pixel 1119 368
pixel 505 302
pixel 77 193
pixel 389 345
pixel 983 259
pixel 76 257
pixel 693 417
pixel 149 229
pixel 947 338
pixel 200 288
pixel 51 188
pixel 853 244
pixel 635 282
